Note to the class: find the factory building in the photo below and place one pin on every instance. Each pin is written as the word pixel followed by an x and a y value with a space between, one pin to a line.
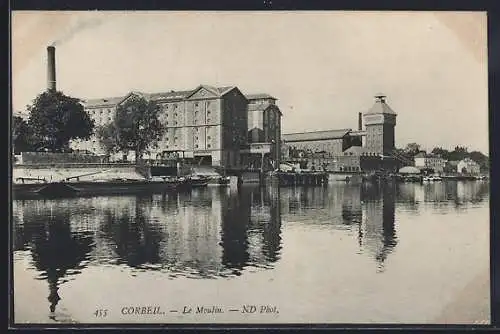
pixel 264 133
pixel 207 124
pixel 347 150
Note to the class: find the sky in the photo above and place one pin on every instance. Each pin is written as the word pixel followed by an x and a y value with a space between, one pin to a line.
pixel 324 67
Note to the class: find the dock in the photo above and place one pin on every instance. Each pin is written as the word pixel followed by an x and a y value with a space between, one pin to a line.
pixel 287 179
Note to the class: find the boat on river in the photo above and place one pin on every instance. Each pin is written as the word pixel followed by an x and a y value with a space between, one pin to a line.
pixel 193 181
pixel 92 188
pixel 432 178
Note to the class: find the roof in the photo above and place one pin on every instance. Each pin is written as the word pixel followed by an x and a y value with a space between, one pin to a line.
pixel 380 107
pixel 356 150
pixel 171 95
pixel 259 96
pixel 358 133
pixel 262 107
pixel 420 155
pixel 103 102
pixel 224 90
pixel 316 135
pixel 427 155
pixel 409 170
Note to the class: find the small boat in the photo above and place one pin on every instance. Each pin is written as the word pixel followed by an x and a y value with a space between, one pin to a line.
pixel 218 181
pixel 428 179
pixel 432 178
pixel 193 181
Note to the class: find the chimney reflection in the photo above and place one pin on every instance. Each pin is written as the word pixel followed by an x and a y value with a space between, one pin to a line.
pixel 58 250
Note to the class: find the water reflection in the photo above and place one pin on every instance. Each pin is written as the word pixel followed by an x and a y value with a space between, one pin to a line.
pixel 214 233
pixel 205 233
pixel 379 231
pixel 369 210
pixel 59 248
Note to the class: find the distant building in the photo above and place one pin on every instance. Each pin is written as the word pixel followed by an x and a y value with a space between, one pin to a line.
pixel 208 124
pixel 468 166
pixel 430 161
pixel 451 166
pixel 345 149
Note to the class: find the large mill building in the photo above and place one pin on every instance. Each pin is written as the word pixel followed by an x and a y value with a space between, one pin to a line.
pixel 214 126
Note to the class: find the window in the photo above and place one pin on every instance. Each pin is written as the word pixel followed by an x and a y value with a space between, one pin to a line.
pixel 208 137
pixel 196 137
pixel 196 104
pixel 196 146
pixel 208 145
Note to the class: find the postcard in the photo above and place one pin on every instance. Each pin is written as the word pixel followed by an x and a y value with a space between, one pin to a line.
pixel 250 167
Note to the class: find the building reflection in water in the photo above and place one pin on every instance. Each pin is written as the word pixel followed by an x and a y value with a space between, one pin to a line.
pixel 205 233
pixel 379 232
pixel 443 194
pixel 210 233
pixel 367 210
pixel 58 239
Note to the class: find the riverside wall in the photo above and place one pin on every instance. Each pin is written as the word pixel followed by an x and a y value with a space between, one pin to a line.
pixel 54 172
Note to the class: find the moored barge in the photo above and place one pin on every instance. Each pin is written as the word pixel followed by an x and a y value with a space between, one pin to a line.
pixel 91 188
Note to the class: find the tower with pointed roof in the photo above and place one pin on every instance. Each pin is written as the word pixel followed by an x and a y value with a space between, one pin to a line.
pixel 380 122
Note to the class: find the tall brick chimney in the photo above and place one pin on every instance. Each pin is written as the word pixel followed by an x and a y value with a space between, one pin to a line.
pixel 360 121
pixel 51 68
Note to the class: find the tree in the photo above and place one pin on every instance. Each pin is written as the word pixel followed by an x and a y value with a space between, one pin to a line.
pixel 412 149
pixel 107 136
pixel 55 119
pixel 481 159
pixel 441 151
pixel 135 127
pixel 21 135
pixel 459 153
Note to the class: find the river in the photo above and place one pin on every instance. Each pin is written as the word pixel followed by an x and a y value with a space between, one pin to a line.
pixel 338 254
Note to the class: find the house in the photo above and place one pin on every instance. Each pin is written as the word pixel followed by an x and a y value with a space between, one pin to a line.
pixel 431 161
pixel 468 166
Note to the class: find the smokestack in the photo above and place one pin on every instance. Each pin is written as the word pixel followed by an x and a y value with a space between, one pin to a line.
pixel 51 68
pixel 360 121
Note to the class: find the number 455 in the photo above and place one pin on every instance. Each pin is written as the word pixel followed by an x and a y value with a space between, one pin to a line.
pixel 101 313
